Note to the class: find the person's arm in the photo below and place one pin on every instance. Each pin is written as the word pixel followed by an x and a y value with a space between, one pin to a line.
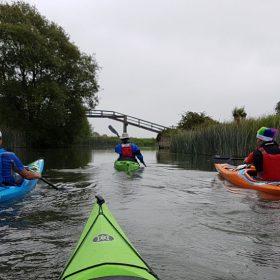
pixel 29 175
pixel 139 156
pixel 118 149
pixel 20 168
pixel 258 161
pixel 136 151
pixel 249 159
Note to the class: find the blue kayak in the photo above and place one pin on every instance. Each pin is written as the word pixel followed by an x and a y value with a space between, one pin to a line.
pixel 13 192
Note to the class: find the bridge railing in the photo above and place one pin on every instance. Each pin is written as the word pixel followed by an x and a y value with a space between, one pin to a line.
pixel 126 119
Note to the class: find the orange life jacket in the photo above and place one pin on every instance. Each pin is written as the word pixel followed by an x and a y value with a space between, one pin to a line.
pixel 271 166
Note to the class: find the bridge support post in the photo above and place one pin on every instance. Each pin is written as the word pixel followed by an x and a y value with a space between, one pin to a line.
pixel 125 124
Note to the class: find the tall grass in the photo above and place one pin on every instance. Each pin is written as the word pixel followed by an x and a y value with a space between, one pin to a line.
pixel 109 142
pixel 225 139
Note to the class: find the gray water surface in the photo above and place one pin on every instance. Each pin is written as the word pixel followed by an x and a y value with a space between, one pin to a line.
pixel 184 220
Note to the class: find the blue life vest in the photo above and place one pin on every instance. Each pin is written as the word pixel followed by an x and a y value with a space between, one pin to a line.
pixel 2 151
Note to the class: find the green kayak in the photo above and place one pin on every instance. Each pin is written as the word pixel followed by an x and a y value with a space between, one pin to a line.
pixel 104 252
pixel 126 165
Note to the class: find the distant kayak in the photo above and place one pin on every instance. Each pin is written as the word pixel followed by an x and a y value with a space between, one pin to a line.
pixel 126 165
pixel 14 192
pixel 244 178
pixel 104 252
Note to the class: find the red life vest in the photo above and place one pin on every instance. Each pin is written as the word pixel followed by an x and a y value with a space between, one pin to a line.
pixel 127 151
pixel 271 166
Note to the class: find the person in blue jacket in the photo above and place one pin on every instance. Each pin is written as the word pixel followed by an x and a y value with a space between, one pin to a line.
pixel 128 151
pixel 11 167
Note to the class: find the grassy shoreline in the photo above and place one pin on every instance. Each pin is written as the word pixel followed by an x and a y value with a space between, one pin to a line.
pixel 108 142
pixel 225 139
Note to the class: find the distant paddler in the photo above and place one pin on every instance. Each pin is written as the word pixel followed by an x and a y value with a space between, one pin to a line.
pixel 12 171
pixel 128 150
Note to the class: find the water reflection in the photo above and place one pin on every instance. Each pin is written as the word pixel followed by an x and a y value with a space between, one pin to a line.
pixel 193 162
pixel 245 191
pixel 74 157
pixel 181 218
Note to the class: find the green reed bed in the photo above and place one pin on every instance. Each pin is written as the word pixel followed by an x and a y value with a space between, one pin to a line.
pixel 224 139
pixel 110 142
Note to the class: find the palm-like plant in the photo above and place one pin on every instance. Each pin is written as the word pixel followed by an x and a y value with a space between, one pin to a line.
pixel 277 108
pixel 239 114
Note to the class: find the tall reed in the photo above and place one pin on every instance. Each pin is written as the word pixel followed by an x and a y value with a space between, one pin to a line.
pixel 225 139
pixel 109 142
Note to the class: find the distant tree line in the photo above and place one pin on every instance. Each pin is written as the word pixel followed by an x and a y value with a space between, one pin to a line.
pixel 192 120
pixel 46 83
pixel 198 133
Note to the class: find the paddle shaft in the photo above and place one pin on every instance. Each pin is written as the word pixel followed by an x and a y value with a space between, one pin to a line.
pixel 144 163
pixel 49 183
pixel 225 159
pixel 229 158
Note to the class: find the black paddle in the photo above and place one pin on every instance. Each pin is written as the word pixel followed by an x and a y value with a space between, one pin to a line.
pixel 115 132
pixel 49 183
pixel 225 159
pixel 43 179
pixel 142 161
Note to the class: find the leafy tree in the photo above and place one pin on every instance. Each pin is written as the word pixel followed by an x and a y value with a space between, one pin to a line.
pixel 239 114
pixel 191 120
pixel 46 83
pixel 277 108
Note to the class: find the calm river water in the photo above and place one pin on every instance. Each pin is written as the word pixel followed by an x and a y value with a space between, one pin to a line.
pixel 183 219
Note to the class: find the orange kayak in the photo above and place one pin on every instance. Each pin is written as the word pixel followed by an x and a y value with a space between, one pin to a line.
pixel 244 178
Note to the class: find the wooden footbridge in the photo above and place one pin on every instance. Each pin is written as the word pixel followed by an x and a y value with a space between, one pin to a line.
pixel 126 120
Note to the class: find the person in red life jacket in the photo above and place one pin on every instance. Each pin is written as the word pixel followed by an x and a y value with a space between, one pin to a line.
pixel 127 150
pixel 11 167
pixel 266 158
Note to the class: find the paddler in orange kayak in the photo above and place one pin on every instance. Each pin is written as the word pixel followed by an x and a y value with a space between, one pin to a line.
pixel 266 158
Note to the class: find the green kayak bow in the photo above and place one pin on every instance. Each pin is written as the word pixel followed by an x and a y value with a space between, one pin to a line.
pixel 104 252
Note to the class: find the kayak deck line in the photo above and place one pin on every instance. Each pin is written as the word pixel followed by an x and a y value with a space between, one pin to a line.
pixel 97 238
pixel 111 277
pixel 116 263
pixel 77 249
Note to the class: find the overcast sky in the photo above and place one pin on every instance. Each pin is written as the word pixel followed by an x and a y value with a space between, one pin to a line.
pixel 161 58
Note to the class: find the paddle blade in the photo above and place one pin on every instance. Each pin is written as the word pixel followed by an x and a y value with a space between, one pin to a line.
pixel 113 130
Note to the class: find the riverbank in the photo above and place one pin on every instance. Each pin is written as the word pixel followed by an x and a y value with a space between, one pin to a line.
pixel 225 138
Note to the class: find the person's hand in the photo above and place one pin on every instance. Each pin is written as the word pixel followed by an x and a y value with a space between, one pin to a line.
pixel 241 166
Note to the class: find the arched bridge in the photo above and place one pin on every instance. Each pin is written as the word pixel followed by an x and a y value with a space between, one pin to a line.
pixel 126 120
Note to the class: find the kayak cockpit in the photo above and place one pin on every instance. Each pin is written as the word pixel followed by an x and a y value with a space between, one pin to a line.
pixel 251 174
pixel 119 278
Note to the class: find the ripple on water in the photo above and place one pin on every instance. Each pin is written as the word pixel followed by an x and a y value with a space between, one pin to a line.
pixel 187 224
